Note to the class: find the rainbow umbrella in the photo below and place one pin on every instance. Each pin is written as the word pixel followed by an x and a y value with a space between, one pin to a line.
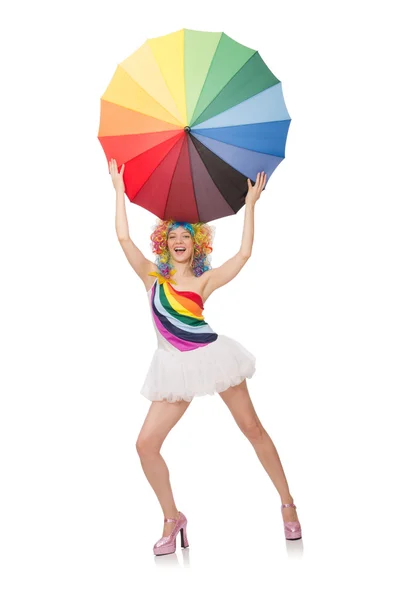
pixel 192 115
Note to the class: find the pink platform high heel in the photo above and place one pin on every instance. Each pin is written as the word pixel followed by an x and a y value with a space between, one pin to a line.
pixel 292 529
pixel 167 544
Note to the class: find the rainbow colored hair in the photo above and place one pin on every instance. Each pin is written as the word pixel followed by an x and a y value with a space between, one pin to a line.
pixel 202 235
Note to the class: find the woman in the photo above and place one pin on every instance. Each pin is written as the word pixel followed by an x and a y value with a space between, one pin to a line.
pixel 191 358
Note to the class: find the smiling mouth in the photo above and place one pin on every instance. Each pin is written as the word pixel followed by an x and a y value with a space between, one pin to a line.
pixel 180 250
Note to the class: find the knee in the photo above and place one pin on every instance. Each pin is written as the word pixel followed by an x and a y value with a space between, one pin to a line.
pixel 253 431
pixel 146 445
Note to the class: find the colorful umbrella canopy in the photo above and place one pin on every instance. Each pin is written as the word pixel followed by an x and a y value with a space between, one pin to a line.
pixel 192 115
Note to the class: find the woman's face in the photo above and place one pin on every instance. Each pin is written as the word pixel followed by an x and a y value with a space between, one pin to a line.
pixel 180 245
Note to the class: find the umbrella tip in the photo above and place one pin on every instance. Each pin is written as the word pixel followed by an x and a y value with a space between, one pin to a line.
pixel 187 128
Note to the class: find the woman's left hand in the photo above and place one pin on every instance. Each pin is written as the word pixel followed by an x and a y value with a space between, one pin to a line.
pixel 255 191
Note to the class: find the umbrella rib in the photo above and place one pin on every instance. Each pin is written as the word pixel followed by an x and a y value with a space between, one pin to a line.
pixel 210 176
pixel 157 166
pixel 150 96
pixel 200 158
pixel 227 83
pixel 167 85
pixel 228 165
pixel 151 147
pixel 206 77
pixel 236 145
pixel 172 178
pixel 235 106
pixel 194 189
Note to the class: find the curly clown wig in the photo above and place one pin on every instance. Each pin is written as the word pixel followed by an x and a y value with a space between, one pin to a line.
pixel 202 235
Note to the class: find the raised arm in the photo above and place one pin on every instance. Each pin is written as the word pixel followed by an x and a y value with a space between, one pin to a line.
pixel 226 272
pixel 137 260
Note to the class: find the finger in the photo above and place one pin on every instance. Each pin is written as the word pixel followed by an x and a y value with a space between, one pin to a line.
pixel 249 184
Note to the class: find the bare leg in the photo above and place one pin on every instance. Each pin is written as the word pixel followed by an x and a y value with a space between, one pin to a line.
pixel 160 419
pixel 238 401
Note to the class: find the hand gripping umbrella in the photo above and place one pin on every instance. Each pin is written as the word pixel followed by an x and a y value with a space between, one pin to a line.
pixel 192 115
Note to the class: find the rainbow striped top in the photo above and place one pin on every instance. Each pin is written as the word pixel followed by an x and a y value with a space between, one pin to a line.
pixel 178 316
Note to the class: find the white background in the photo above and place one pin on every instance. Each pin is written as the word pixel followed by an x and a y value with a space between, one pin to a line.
pixel 316 304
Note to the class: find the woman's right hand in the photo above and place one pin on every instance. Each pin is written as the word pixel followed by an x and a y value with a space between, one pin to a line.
pixel 117 178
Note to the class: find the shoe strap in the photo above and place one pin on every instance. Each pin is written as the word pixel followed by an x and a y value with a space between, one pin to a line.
pixel 288 505
pixel 170 520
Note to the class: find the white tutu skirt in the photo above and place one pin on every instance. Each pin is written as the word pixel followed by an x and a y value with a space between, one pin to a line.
pixel 176 375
